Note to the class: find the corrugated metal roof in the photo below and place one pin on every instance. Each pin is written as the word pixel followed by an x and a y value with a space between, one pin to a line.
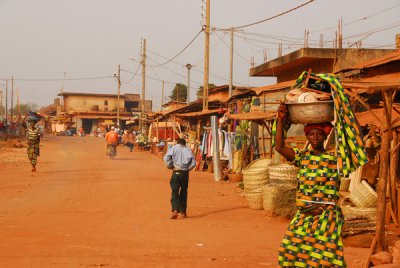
pixel 373 84
pixel 371 117
pixel 394 56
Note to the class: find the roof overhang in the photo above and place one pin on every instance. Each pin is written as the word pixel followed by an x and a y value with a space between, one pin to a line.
pixel 301 57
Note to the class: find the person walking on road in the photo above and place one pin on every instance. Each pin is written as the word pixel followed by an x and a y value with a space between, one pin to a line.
pixel 314 236
pixel 181 160
pixel 112 141
pixel 33 136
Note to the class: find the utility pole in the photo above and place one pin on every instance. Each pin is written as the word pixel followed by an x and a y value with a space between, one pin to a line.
pixel 188 66
pixel 119 92
pixel 231 64
pixel 206 56
pixel 12 98
pixel 6 101
pixel 18 106
pixel 162 95
pixel 143 115
pixel 1 102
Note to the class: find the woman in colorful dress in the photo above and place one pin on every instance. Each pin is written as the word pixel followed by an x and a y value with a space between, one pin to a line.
pixel 313 238
pixel 33 135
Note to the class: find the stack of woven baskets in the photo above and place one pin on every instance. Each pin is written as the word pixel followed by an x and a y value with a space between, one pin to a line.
pixel 255 177
pixel 360 217
pixel 283 175
pixel 279 196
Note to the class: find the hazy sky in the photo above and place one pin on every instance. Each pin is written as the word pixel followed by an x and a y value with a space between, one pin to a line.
pixel 42 39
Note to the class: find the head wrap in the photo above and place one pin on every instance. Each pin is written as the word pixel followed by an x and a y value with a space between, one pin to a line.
pixel 324 127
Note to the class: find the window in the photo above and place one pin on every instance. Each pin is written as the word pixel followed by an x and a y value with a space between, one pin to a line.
pixel 106 103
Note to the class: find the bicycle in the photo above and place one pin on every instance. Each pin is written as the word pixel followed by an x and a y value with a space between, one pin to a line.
pixel 112 151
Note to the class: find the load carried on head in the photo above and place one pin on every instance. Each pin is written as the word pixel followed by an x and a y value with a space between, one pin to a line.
pixel 310 101
pixel 320 98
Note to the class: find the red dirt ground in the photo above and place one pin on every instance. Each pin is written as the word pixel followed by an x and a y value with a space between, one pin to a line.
pixel 82 209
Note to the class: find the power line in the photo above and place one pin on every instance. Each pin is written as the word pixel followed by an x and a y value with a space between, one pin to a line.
pixel 273 17
pixel 172 71
pixel 377 30
pixel 357 20
pixel 133 76
pixel 59 79
pixel 233 50
pixel 177 55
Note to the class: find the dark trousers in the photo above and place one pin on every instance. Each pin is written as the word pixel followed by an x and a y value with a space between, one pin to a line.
pixel 179 186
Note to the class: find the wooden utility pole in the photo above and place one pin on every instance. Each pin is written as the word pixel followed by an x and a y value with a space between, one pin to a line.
pixel 206 56
pixel 142 122
pixel 144 76
pixel 188 66
pixel 162 95
pixel 6 101
pixel 18 106
pixel 119 92
pixel 1 102
pixel 12 98
pixel 231 64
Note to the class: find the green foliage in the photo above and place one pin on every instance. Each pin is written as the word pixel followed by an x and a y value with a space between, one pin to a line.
pixel 199 92
pixel 24 108
pixel 179 93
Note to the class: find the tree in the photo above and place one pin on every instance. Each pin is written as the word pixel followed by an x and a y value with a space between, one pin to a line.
pixel 199 92
pixel 24 108
pixel 179 93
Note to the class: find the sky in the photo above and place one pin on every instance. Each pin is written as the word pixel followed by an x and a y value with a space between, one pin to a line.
pixel 87 39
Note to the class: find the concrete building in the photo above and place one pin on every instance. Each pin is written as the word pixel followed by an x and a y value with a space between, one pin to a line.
pixel 91 110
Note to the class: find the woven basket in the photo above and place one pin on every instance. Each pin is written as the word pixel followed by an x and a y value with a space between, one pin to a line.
pixel 363 196
pixel 344 184
pixel 256 175
pixel 350 212
pixel 260 162
pixel 283 174
pixel 254 201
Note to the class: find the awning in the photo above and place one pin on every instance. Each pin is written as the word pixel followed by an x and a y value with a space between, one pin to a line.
pixel 278 86
pixel 376 117
pixel 203 113
pixel 254 116
pixel 373 84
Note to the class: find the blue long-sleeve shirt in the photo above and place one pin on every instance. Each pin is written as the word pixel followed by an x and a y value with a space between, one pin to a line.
pixel 181 157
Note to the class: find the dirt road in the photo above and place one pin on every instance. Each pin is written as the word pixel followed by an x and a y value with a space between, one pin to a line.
pixel 82 209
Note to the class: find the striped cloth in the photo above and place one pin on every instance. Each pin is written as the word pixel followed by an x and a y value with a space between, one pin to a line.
pixel 314 241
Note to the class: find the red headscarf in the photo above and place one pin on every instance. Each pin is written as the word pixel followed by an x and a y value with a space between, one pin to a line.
pixel 324 127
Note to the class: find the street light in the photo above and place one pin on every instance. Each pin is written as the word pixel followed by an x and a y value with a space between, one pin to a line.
pixel 188 66
pixel 118 77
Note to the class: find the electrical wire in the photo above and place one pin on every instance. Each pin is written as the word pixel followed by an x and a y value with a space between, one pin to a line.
pixel 172 71
pixel 59 79
pixel 273 17
pixel 177 55
pixel 133 76
pixel 233 50
pixel 357 20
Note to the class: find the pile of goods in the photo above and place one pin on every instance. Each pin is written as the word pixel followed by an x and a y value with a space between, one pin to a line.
pixel 255 177
pixel 271 187
pixel 360 212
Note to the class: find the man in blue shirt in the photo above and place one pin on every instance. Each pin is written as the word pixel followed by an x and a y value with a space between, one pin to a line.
pixel 181 159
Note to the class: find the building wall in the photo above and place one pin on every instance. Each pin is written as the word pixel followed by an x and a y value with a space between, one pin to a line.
pixel 92 103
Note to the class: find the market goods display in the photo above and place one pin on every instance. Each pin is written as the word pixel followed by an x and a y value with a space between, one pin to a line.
pixel 279 200
pixel 255 176
pixel 283 175
pixel 363 196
